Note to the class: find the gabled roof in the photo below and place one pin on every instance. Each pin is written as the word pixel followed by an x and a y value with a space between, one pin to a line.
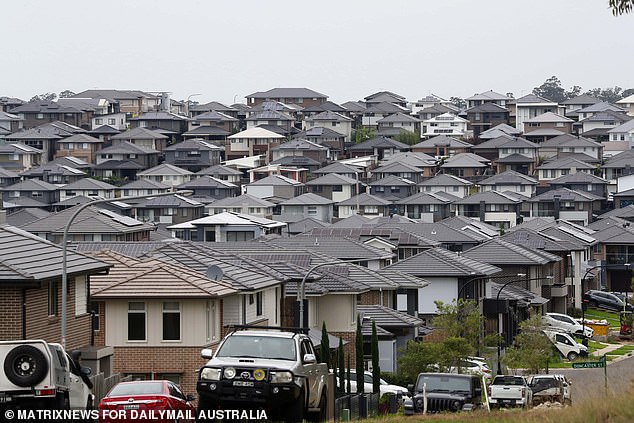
pixel 244 200
pixel 396 167
pixel 214 116
pixel 398 118
pixel 497 251
pixel 32 185
pixel 195 144
pixel 82 138
pixel 207 130
pixel 88 184
pixel 337 167
pixel 549 117
pixel 301 144
pixel 276 180
pixel 494 142
pixel 379 142
pixel 579 178
pixel 119 164
pixel 515 158
pixel 565 194
pixel 489 95
pixel 127 147
pixel 325 106
pixel 465 160
pixel 165 169
pixel 392 180
pixel 438 109
pixel 437 262
pixel 256 132
pixel 139 134
pixel 510 177
pixel 487 108
pixel 411 158
pixel 566 163
pixel 365 199
pixel 445 180
pixel 490 197
pixel 385 107
pixel 17 263
pixel 531 99
pixel 219 170
pixel 152 278
pixel 332 179
pixel 287 93
pixel 306 200
pixel 212 106
pixel 498 130
pixel 444 141
pixel 329 116
pixel 384 94
pixel 207 181
pixel 581 100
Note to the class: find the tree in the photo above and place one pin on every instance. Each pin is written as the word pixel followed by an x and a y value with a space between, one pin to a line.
pixel 324 347
pixel 407 137
pixel 348 388
pixel 363 134
pixel 610 95
pixel 458 102
pixel 460 319
pixel 419 357
pixel 44 97
pixel 531 349
pixel 342 368
pixel 551 89
pixel 358 347
pixel 620 7
pixel 376 370
pixel 66 94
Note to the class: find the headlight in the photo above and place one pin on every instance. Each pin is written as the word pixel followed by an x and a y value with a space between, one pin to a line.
pixel 230 373
pixel 210 374
pixel 457 405
pixel 281 377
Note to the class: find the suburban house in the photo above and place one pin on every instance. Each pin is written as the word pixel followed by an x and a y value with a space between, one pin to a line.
pixel 18 157
pixel 598 125
pixel 577 103
pixel 450 184
pixel 334 186
pixel 554 169
pixel 87 187
pixel 517 154
pixel 566 145
pixel 445 124
pixel 167 174
pixel 117 121
pixel 627 104
pixel 399 169
pixel 623 132
pixel 82 146
pixel 277 186
pixel 142 137
pixel 397 123
pixel 424 164
pixel 530 106
pixel 209 187
pixel 8 177
pixel 486 116
pixel 442 146
pixel 582 181
pixel 381 147
pixel 377 111
pixel 44 137
pixel 214 119
pixel 161 121
pixel 488 97
pixel 124 160
pixel 501 209
pixel 332 120
pixel 35 113
pixel 327 137
pixel 40 192
pixel 385 97
pixel 547 125
pixel 430 100
pixel 301 96
pixel 309 204
pixel 252 142
pixel 426 207
pixel 510 181
pixel 169 209
pixel 222 172
pixel 243 204
pixel 499 130
pixel 392 187
pixel 364 204
pixel 143 187
pixel 299 147
pixel 194 154
pixel 465 165
pixel 9 123
pixel 32 290
pixel 563 203
pixel 131 102
pixel 226 226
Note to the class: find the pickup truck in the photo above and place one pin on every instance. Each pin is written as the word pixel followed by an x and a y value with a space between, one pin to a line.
pixel 547 388
pixel 266 368
pixel 510 391
pixel 41 375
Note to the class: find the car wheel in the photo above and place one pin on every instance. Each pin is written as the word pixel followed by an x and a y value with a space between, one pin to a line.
pixel 594 304
pixel 572 356
pixel 322 414
pixel 25 365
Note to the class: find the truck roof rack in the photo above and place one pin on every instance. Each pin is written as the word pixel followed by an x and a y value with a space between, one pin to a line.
pixel 280 328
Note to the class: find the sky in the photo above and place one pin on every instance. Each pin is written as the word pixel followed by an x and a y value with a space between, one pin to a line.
pixel 224 50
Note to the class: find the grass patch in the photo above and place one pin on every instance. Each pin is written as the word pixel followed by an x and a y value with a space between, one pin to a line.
pixel 625 349
pixel 595 345
pixel 598 314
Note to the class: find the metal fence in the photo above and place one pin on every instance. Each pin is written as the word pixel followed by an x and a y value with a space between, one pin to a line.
pixel 101 385
pixel 356 407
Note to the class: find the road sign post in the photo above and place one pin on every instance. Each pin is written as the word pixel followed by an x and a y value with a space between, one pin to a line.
pixel 602 363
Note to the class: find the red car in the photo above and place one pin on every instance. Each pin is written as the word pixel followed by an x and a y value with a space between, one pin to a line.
pixel 147 400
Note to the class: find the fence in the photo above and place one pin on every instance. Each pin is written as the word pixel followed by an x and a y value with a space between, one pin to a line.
pixel 359 406
pixel 101 385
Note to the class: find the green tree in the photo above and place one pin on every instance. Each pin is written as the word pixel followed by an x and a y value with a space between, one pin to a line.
pixel 358 347
pixel 531 349
pixel 324 347
pixel 363 134
pixel 458 102
pixel 620 7
pixel 419 357
pixel 342 368
pixel 376 370
pixel 407 137
pixel 610 95
pixel 461 319
pixel 44 97
pixel 66 94
pixel 551 89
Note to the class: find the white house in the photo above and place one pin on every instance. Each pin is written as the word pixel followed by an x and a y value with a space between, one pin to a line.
pixel 445 124
pixel 167 174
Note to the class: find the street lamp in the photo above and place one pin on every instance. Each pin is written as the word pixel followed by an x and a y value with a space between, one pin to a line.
pixel 80 208
pixel 497 307
pixel 479 278
pixel 187 103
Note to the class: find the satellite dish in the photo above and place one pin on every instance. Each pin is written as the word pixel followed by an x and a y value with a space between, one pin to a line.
pixel 214 273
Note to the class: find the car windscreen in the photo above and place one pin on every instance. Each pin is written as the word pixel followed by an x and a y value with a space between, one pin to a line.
pixel 508 380
pixel 443 383
pixel 258 347
pixel 134 388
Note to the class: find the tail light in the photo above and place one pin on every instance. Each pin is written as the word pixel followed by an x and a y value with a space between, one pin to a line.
pixel 107 405
pixel 523 392
pixel 44 392
pixel 156 402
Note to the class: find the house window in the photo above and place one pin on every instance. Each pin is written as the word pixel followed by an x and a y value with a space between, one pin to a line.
pixel 334 123
pixel 337 188
pixel 312 210
pixel 36 194
pixel 112 121
pixel 456 189
pixel 98 121
pixel 240 236
pixel 70 193
pixel 171 321
pixel 52 298
pixel 213 322
pixel 40 116
pixel 259 302
pixel 81 295
pixel 136 321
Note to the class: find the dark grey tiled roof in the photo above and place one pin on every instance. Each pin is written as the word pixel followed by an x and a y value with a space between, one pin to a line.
pixel 579 178
pixel 32 185
pixel 379 142
pixel 307 199
pixel 565 194
pixel 490 197
pixel 207 130
pixel 516 293
pixel 194 144
pixel 139 133
pixel 566 163
pixel 515 158
pixel 441 262
pixel 145 184
pixel 89 183
pixel 445 180
pixel 365 199
pixel 244 200
pixel 386 317
pixel 442 140
pixel 499 252
pixel 130 249
pixel 332 179
pixel 24 216
pixel 394 234
pixel 207 181
pixel 287 93
pixel 126 147
pixel 219 170
pixel 392 180
pixel 509 177
pixel 341 248
pixel 423 198
pixel 17 262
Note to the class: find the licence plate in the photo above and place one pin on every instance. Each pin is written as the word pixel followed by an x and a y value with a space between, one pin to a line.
pixel 130 406
pixel 5 398
pixel 242 383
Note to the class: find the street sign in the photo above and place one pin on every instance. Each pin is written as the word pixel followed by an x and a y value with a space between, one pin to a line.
pixel 590 364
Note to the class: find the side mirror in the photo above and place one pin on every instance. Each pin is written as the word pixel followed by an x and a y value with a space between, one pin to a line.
pixel 207 353
pixel 190 397
pixel 86 371
pixel 410 387
pixel 309 358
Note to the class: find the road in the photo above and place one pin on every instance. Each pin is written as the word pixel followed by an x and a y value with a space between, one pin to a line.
pixel 588 383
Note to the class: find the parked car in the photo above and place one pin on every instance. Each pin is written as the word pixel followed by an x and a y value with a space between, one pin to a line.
pixel 603 299
pixel 567 390
pixel 565 344
pixel 567 323
pixel 546 388
pixel 439 392
pixel 384 387
pixel 510 391
pixel 144 396
pixel 473 366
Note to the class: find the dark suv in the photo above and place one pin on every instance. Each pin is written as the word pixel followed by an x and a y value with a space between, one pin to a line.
pixel 445 392
pixel 609 300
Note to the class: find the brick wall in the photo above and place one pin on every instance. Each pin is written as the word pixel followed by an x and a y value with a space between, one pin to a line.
pixel 11 314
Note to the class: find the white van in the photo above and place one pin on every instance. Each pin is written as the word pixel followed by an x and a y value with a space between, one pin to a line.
pixel 566 344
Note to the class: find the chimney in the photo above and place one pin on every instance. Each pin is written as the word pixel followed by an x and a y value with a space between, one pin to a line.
pixel 557 205
pixel 482 210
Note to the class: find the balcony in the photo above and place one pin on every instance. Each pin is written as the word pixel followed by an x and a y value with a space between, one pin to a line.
pixel 558 291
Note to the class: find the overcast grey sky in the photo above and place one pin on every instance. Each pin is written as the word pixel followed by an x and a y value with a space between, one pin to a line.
pixel 346 49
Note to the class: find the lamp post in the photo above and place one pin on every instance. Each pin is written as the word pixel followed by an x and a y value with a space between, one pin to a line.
pixel 479 278
pixel 497 306
pixel 187 103
pixel 65 246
